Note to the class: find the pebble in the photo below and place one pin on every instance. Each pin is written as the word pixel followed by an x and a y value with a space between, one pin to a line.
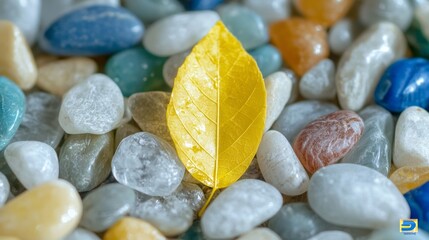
pixel 319 82
pixel 124 131
pixel 325 12
pixel 245 24
pixel 418 201
pixel 24 14
pixel 149 11
pixel 369 55
pixel 295 89
pixel 278 87
pixel 89 25
pixel 147 164
pixel 418 33
pixel 57 77
pixel 106 205
pixel 81 234
pixel 16 187
pixel 172 214
pixel 55 209
pixel 332 235
pixel 94 106
pixel 404 84
pixel 356 196
pixel 149 111
pixel 342 34
pixel 171 66
pixel 268 58
pixel 392 233
pixel 85 159
pixel 32 162
pixel 16 59
pixel 260 233
pixel 409 178
pixel 12 108
pixel 136 70
pixel 194 5
pixel 374 148
pixel 129 228
pixel 4 189
pixel 270 10
pixel 280 166
pixel 301 42
pixel 411 133
pixel 327 139
pixel 178 33
pixel 239 208
pixel 296 116
pixel 399 12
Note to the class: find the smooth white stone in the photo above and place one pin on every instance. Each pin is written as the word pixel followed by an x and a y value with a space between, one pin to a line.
pixel 179 32
pixel 270 10
pixel 412 138
pixel 399 12
pixel 25 14
pixel 239 208
pixel 4 189
pixel 341 35
pixel 356 196
pixel 94 106
pixel 280 166
pixel 392 233
pixel 171 66
pixel 319 82
pixel 81 234
pixel 260 233
pixel 279 88
pixel 363 63
pixel 332 235
pixel 32 162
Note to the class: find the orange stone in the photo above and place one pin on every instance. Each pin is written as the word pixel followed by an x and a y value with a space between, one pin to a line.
pixel 410 177
pixel 301 42
pixel 129 228
pixel 325 12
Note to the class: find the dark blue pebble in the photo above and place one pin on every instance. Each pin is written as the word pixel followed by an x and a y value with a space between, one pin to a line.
pixel 200 4
pixel 418 199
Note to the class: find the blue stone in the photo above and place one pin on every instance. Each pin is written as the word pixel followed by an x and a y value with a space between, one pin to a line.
pixel 418 199
pixel 194 5
pixel 12 108
pixel 268 58
pixel 151 10
pixel 93 30
pixel 405 83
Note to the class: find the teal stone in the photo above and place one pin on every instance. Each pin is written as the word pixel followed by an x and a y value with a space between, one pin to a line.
pixel 268 58
pixel 245 24
pixel 418 41
pixel 151 10
pixel 136 70
pixel 12 109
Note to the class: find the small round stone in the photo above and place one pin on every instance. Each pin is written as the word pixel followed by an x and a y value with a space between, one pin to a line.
pixel 319 82
pixel 149 11
pixel 408 178
pixel 341 35
pixel 171 66
pixel 270 10
pixel 132 229
pixel 268 59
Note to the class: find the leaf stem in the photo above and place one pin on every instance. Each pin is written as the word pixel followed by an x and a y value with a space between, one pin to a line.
pixel 203 209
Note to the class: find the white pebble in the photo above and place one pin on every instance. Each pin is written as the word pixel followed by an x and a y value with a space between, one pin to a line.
pixel 332 235
pixel 270 10
pixel 319 82
pixel 260 233
pixel 341 35
pixel 398 12
pixel 4 189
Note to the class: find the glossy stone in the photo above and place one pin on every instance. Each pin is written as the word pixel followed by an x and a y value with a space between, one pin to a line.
pixel 278 87
pixel 194 5
pixel 132 229
pixel 151 10
pixel 136 70
pixel 171 66
pixel 408 178
pixel 239 209
pixel 342 34
pixel 85 160
pixel 392 233
pixel 398 12
pixel 178 33
pixel 325 12
pixel 319 82
pixel 327 139
pixel 270 10
pixel 405 83
pixel 82 32
pixel 12 108
pixel 81 234
pixel 245 24
pixel 336 194
pixel 369 55
pixel 16 59
pixel 374 148
pixel 332 235
pixel 296 116
pixel 260 233
pixel 105 205
pixel 147 164
pixel 33 163
pixel 94 106
pixel 302 43
pixel 57 77
pixel 418 199
pixel 418 33
pixel 268 59
pixel 4 189
pixel 55 208
pixel 411 134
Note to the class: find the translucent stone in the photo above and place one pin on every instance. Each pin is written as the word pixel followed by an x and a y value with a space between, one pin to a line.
pixel 94 106
pixel 132 229
pixel 147 164
pixel 319 82
pixel 106 205
pixel 81 234
pixel 124 131
pixel 280 166
pixel 278 87
pixel 270 10
pixel 4 189
pixel 408 178
pixel 356 196
pixel 85 160
pixel 149 11
pixel 32 162
pixel 342 34
pixel 239 208
pixel 294 117
pixel 57 77
pixel 260 234
pixel 374 148
pixel 324 12
pixel 171 66
pixel 399 12
pixel 332 235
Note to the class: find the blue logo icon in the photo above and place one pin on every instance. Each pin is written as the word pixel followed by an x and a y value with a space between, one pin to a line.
pixel 408 226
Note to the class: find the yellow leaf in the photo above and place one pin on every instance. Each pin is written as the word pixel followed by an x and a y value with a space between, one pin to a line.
pixel 217 109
